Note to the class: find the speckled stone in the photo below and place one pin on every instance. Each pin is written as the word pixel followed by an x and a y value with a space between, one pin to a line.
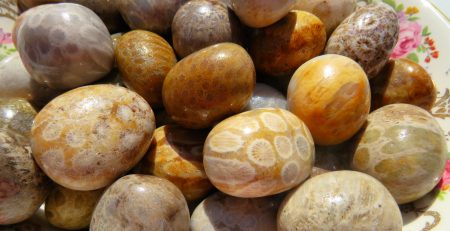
pixel 23 186
pixel 258 153
pixel 221 212
pixel 70 209
pixel 404 147
pixel 144 59
pixel 367 36
pixel 140 202
pixel 331 94
pixel 176 154
pixel 152 15
pixel 15 81
pixel 64 45
pixel 86 138
pixel 209 85
pixel 201 23
pixel 261 13
pixel 340 201
pixel 403 81
pixel 330 12
pixel 266 96
pixel 279 49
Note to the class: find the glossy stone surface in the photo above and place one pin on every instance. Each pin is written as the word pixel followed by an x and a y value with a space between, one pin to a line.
pixel 144 59
pixel 141 202
pixel 258 153
pixel 330 12
pixel 15 81
pixel 152 15
pixel 23 186
pixel 367 36
pixel 209 85
pixel 403 81
pixel 202 23
pixel 86 138
pixel 223 212
pixel 340 201
pixel 261 13
pixel 176 155
pixel 266 96
pixel 404 147
pixel 70 209
pixel 279 49
pixel 64 45
pixel 38 222
pixel 331 95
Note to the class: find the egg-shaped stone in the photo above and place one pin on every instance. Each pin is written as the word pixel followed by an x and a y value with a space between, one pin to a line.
pixel 266 96
pixel 340 201
pixel 38 222
pixel 71 209
pixel 151 15
pixel 144 59
pixel 279 49
pixel 330 12
pixel 261 13
pixel 176 154
pixel 86 138
pixel 209 85
pixel 16 82
pixel 403 81
pixel 141 202
pixel 64 45
pixel 23 186
pixel 258 153
pixel 367 36
pixel 223 212
pixel 331 94
pixel 404 147
pixel 202 23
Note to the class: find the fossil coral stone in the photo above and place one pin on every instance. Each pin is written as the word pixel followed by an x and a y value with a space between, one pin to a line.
pixel 367 36
pixel 141 202
pixel 176 154
pixel 279 49
pixel 144 59
pixel 404 147
pixel 223 212
pixel 258 153
pixel 86 138
pixel 331 94
pixel 209 85
pixel 403 81
pixel 23 186
pixel 71 209
pixel 201 23
pixel 340 201
pixel 64 45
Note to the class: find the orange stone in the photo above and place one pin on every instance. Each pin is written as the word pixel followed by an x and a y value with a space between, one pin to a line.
pixel 176 154
pixel 331 95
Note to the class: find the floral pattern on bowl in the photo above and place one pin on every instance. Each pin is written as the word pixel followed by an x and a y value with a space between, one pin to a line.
pixel 8 14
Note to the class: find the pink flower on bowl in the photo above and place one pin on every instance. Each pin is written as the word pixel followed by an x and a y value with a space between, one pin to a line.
pixel 5 38
pixel 444 184
pixel 410 36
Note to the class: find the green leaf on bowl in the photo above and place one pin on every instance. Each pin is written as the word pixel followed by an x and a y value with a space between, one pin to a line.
pixel 413 57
